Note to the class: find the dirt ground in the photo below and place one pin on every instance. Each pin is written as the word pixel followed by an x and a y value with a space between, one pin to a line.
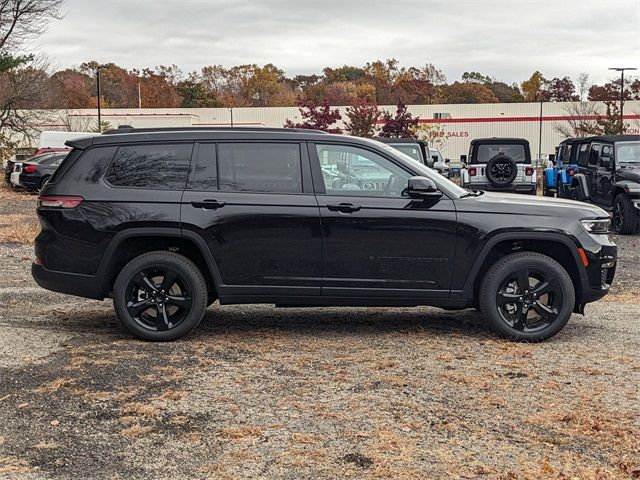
pixel 261 393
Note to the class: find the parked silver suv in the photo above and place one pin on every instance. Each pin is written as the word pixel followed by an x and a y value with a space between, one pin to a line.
pixel 500 164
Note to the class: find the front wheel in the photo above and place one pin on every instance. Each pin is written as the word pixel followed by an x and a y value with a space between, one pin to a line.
pixel 625 220
pixel 160 296
pixel 527 296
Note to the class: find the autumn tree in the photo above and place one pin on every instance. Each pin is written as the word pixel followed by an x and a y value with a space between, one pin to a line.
pixel 317 117
pixel 363 117
pixel 561 90
pixel 535 89
pixel 399 126
pixel 467 93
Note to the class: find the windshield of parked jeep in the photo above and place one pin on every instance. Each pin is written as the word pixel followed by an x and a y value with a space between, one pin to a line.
pixel 409 149
pixel 628 152
pixel 487 152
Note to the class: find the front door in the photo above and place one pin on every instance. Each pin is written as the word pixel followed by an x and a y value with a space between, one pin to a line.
pixel 375 240
pixel 253 204
pixel 603 191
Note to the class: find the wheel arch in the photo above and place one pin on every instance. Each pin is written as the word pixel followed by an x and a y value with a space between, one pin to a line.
pixel 130 243
pixel 559 247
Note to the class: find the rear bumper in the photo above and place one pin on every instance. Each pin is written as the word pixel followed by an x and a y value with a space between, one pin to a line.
pixel 87 286
pixel 524 188
pixel 30 183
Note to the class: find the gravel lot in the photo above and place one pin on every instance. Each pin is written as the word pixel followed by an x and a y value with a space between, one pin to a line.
pixel 259 392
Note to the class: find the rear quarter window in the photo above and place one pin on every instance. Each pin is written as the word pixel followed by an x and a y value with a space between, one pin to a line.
pixel 157 166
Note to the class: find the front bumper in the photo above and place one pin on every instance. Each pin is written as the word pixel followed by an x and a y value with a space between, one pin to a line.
pixel 601 256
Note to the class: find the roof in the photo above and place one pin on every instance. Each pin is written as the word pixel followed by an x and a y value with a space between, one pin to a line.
pixel 499 140
pixel 607 138
pixel 398 140
pixel 132 135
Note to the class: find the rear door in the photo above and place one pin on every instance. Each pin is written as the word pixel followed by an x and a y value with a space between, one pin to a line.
pixel 376 240
pixel 253 204
pixel 594 156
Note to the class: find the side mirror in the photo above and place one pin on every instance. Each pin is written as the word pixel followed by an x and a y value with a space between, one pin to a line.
pixel 422 188
pixel 447 160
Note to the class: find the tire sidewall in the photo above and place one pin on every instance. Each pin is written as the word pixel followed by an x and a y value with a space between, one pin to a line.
pixel 630 223
pixel 189 273
pixel 501 158
pixel 499 272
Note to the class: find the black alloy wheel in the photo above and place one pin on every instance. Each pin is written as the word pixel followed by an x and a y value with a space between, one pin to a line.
pixel 527 296
pixel 160 296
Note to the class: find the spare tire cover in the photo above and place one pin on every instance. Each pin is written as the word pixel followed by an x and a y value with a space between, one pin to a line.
pixel 501 170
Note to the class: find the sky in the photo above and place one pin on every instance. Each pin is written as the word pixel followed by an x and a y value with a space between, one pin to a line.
pixel 507 40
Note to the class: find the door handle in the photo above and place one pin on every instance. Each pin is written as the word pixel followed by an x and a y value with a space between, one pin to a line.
pixel 208 204
pixel 343 207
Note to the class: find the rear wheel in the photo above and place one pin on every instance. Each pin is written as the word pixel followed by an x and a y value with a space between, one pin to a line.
pixel 527 296
pixel 625 220
pixel 546 192
pixel 160 296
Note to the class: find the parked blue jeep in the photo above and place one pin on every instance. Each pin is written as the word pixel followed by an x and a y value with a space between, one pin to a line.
pixel 557 179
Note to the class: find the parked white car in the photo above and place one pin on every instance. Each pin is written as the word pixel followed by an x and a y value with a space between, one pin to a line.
pixel 15 175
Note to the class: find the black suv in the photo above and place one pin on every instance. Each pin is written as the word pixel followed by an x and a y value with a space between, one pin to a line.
pixel 608 174
pixel 168 221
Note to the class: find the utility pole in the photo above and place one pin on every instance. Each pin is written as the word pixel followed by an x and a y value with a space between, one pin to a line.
pixel 622 70
pixel 540 135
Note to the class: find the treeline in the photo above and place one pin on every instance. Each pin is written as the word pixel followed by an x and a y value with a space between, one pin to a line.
pixel 379 82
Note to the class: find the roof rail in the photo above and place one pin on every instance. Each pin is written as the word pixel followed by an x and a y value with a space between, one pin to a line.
pixel 130 129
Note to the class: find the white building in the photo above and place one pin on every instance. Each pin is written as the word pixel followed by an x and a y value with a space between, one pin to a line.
pixel 456 125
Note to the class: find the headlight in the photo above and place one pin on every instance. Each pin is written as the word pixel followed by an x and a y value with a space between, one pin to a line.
pixel 597 226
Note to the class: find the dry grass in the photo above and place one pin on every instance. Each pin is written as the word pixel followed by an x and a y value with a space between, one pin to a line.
pixel 631 295
pixel 53 386
pixel 13 465
pixel 15 228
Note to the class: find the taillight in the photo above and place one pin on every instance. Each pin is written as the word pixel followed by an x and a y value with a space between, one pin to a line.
pixel 473 171
pixel 29 168
pixel 528 171
pixel 571 171
pixel 59 202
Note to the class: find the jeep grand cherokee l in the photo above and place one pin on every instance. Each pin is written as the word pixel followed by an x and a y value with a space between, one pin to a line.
pixel 166 222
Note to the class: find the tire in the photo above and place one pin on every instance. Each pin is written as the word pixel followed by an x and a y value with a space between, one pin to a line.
pixel 550 297
pixel 501 170
pixel 625 220
pixel 546 192
pixel 140 296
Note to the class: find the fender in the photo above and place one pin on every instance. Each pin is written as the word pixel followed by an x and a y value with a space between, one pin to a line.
pixel 116 241
pixel 628 186
pixel 580 186
pixel 467 289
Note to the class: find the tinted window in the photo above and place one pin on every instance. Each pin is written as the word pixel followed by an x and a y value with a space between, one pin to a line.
pixel 607 152
pixel 150 166
pixel 583 155
pixel 260 167
pixel 205 175
pixel 351 171
pixel 412 150
pixel 487 152
pixel 593 155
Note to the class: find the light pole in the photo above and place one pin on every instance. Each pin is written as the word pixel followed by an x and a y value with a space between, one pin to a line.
pixel 98 67
pixel 622 70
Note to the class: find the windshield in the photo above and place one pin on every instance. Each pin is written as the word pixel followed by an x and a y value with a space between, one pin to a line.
pixel 628 152
pixel 424 170
pixel 408 149
pixel 487 152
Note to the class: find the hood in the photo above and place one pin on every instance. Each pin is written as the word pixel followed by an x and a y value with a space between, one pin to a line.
pixel 538 206
pixel 629 172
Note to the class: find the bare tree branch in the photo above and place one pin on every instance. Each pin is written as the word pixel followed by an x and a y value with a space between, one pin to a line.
pixel 21 20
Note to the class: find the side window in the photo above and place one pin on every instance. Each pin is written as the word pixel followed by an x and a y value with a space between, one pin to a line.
pixel 158 166
pixel 594 154
pixel 351 171
pixel 205 174
pixel 607 153
pixel 583 155
pixel 260 167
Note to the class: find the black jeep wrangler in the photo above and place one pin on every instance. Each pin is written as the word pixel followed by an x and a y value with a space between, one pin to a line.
pixel 608 175
pixel 168 221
